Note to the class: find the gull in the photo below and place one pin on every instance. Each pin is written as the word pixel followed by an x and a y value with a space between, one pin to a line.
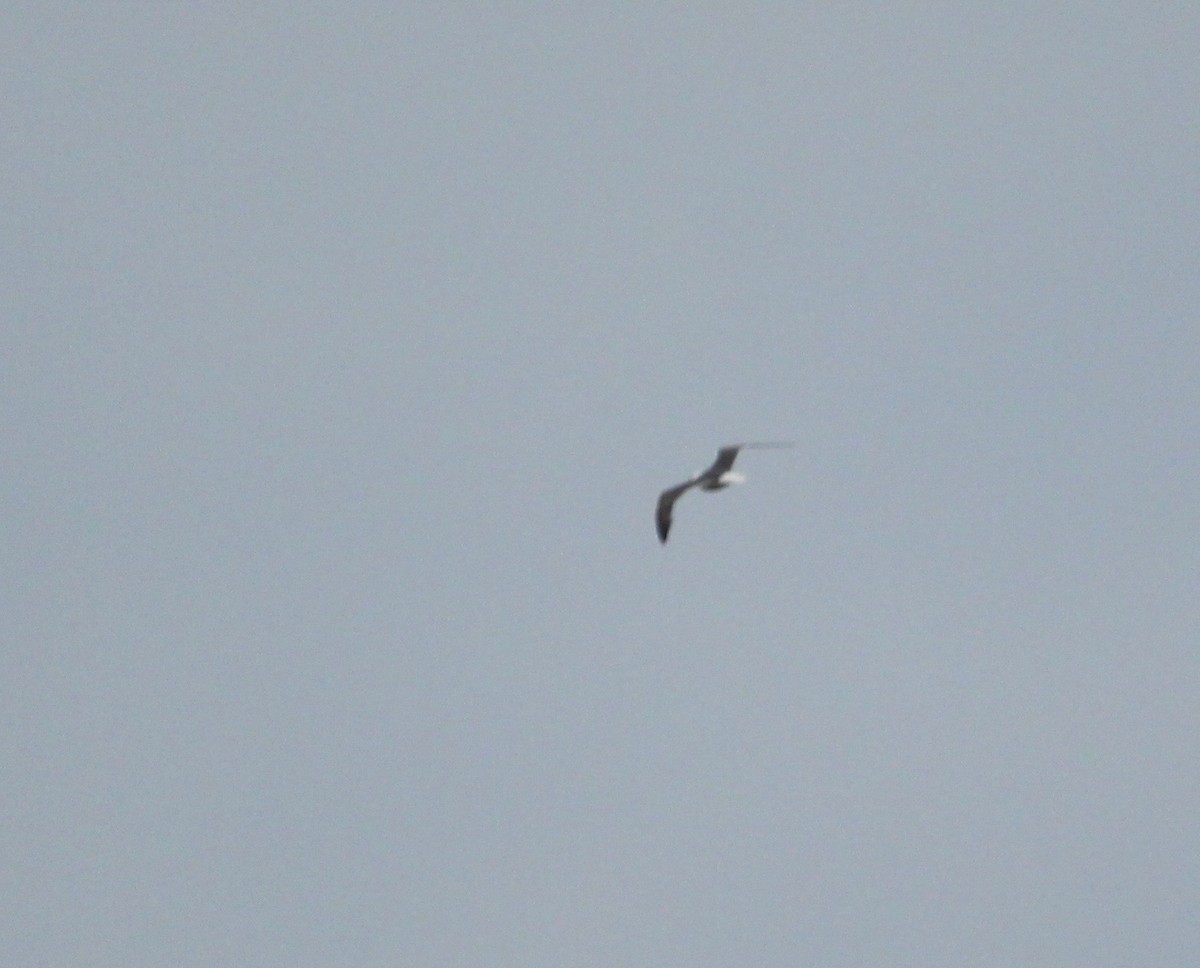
pixel 719 476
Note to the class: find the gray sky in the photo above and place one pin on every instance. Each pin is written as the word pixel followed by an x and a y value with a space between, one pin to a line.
pixel 346 351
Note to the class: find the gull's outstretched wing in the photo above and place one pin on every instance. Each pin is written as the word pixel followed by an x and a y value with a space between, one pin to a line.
pixel 725 458
pixel 727 455
pixel 666 501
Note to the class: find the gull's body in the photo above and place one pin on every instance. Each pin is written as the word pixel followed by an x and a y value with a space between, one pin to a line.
pixel 717 477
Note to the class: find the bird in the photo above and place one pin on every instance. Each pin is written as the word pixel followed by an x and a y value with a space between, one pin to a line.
pixel 717 477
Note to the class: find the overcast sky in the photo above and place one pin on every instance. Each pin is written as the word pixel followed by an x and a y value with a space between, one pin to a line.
pixel 346 350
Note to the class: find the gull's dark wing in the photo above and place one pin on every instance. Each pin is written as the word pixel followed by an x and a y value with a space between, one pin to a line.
pixel 666 501
pixel 725 458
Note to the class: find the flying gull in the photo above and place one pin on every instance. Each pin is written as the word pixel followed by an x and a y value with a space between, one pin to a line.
pixel 720 475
